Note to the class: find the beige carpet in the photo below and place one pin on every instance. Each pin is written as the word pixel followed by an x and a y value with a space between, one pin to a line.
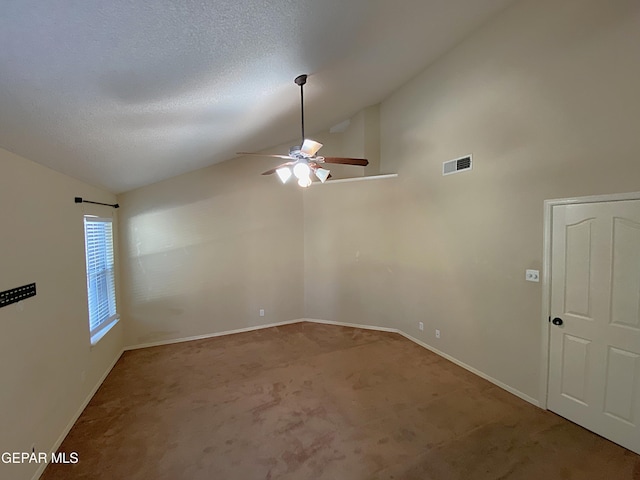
pixel 310 401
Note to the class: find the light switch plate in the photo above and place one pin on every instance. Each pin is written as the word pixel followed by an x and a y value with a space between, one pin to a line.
pixel 532 276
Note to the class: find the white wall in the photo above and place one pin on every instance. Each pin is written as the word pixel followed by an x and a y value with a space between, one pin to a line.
pixel 47 365
pixel 360 139
pixel 546 98
pixel 203 252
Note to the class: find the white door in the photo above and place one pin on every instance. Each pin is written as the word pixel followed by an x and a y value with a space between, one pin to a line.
pixel 594 354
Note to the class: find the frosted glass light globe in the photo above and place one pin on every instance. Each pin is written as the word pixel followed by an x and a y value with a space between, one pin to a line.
pixel 301 170
pixel 283 173
pixel 304 182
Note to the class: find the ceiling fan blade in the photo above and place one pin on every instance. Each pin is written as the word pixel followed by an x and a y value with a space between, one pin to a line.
pixel 310 147
pixel 286 157
pixel 273 170
pixel 363 162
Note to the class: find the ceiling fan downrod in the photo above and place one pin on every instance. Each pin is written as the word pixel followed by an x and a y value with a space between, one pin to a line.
pixel 301 80
pixel 302 161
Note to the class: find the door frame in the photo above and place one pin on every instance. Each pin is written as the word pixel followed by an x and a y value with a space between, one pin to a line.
pixel 546 277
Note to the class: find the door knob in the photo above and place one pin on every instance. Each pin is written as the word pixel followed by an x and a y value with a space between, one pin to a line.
pixel 557 321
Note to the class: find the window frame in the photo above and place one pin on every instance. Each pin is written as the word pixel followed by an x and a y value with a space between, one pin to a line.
pixel 100 277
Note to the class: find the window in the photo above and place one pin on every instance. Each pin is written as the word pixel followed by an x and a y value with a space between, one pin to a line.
pixel 101 287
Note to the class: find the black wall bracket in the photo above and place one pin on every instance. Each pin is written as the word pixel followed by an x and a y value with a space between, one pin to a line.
pixel 81 200
pixel 16 294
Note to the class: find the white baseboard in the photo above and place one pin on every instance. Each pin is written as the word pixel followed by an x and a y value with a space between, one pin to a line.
pixel 475 371
pixel 75 417
pixel 211 335
pixel 352 325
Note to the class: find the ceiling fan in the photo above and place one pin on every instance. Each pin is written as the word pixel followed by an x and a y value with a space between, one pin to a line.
pixel 303 161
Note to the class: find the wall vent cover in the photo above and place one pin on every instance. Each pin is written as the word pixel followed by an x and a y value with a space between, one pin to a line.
pixel 455 166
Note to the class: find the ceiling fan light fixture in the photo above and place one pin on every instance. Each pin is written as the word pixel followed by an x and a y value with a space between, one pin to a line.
pixel 302 161
pixel 304 181
pixel 310 147
pixel 284 174
pixel 322 174
pixel 301 170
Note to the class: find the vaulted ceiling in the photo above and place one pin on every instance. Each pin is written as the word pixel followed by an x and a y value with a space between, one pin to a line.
pixel 124 93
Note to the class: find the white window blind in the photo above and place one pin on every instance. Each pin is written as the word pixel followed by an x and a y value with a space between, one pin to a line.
pixel 101 288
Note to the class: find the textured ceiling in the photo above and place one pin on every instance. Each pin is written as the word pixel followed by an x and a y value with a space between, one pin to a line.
pixel 124 93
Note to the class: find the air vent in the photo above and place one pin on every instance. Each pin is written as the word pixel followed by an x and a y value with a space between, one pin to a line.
pixel 455 166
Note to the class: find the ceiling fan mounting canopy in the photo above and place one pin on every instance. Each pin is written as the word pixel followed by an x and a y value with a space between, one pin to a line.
pixel 301 79
pixel 304 156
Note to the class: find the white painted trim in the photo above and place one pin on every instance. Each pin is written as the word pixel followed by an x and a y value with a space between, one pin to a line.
pixel 104 329
pixel 75 417
pixel 475 371
pixel 546 275
pixel 352 325
pixel 357 179
pixel 210 335
pixel 546 306
pixel 500 384
pixel 612 197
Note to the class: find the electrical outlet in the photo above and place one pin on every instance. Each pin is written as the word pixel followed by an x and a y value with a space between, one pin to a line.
pixel 437 333
pixel 532 276
pixel 262 312
pixel 420 326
